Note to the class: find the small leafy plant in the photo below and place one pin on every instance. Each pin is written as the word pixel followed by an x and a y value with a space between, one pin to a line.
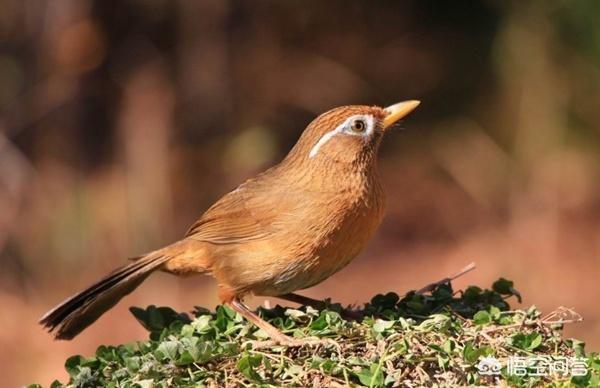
pixel 423 338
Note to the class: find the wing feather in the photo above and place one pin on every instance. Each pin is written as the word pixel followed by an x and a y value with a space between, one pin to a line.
pixel 245 214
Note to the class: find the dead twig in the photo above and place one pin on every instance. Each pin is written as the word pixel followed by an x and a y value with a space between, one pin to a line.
pixel 430 287
pixel 561 316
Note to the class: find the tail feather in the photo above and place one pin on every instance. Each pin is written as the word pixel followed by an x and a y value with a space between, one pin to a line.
pixel 79 311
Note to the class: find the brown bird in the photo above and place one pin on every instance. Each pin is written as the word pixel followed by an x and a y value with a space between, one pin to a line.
pixel 287 229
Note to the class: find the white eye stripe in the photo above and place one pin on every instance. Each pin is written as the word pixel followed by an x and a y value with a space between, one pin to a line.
pixel 344 128
pixel 324 139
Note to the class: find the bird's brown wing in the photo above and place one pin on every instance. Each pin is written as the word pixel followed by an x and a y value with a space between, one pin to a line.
pixel 245 214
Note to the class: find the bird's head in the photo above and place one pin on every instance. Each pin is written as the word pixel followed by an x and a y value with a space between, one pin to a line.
pixel 348 135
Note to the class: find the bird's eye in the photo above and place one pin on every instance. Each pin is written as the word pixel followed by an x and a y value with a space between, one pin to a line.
pixel 358 126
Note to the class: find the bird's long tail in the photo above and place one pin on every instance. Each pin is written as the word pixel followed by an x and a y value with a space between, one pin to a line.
pixel 81 310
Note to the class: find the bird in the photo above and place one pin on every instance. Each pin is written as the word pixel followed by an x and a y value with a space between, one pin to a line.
pixel 287 229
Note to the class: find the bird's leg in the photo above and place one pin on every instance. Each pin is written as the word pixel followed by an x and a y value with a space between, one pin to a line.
pixel 276 335
pixel 319 305
pixel 271 330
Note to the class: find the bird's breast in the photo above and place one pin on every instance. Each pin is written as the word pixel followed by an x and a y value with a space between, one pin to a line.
pixel 322 237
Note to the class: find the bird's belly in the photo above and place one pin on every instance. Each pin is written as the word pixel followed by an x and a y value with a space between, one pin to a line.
pixel 298 276
pixel 308 262
pixel 300 272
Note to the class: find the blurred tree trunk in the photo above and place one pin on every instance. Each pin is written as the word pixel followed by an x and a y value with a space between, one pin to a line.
pixel 534 102
pixel 203 61
pixel 146 121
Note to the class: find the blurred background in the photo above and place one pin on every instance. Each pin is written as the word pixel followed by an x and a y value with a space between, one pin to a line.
pixel 122 121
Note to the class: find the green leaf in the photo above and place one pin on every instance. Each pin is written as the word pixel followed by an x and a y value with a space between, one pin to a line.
pixel 506 287
pixel 578 346
pixel 471 354
pixel 187 331
pixel 381 325
pixel 482 318
pixel 529 341
pixel 133 364
pixel 248 365
pixel 443 361
pixel 155 319
pixel 536 341
pixel 594 362
pixel 503 286
pixel 72 365
pixel 140 315
pixel 495 313
pixel 472 293
pixel 443 293
pixel 435 321
pixel 386 301
pixel 372 376
pixel 401 346
pixel 56 384
pixel 202 324
pixel 167 349
pixel 448 346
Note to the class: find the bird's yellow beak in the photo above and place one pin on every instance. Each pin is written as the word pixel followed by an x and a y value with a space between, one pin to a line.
pixel 397 111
